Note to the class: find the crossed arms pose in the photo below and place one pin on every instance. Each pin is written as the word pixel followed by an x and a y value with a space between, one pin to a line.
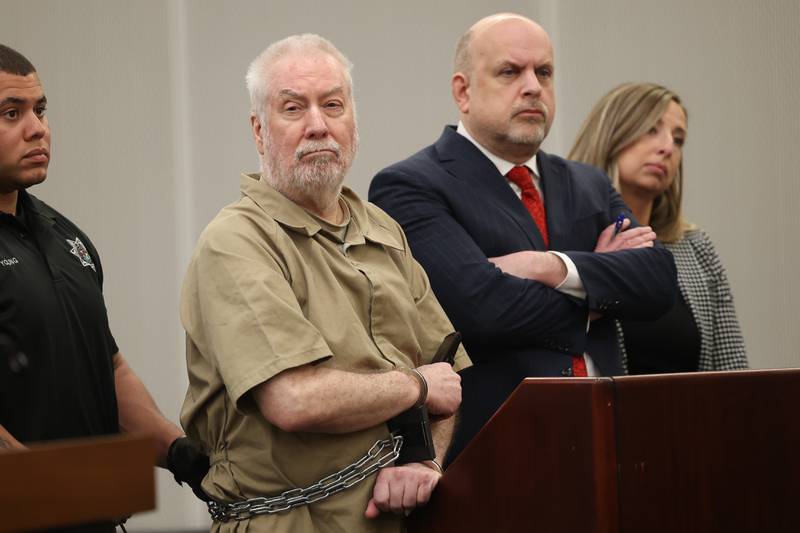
pixel 517 243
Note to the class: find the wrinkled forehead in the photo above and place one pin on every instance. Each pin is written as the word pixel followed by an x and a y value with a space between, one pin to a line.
pixel 314 71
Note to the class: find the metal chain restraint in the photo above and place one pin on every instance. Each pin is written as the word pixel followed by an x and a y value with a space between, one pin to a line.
pixel 382 453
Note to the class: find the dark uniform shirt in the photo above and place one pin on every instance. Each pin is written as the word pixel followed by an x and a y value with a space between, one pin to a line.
pixel 52 308
pixel 52 311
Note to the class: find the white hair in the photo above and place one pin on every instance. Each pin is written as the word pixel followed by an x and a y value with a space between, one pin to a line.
pixel 260 71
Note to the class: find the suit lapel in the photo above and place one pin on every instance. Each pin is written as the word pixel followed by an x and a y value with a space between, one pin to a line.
pixel 462 159
pixel 558 201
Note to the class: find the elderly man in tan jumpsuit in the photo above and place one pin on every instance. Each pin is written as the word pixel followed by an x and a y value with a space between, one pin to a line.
pixel 309 324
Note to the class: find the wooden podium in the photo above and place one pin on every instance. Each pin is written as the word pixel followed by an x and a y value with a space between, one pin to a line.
pixel 76 482
pixel 703 452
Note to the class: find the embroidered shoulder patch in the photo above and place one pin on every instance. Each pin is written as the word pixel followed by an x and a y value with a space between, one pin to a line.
pixel 80 251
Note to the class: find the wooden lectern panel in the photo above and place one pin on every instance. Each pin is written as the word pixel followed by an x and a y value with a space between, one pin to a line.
pixel 544 462
pixel 76 482
pixel 713 452
pixel 709 452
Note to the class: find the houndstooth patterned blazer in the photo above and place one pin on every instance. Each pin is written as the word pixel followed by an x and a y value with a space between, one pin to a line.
pixel 704 287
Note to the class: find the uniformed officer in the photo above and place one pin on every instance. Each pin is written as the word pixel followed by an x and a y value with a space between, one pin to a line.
pixel 61 373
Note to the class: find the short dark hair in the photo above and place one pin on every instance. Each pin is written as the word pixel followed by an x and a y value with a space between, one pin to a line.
pixel 13 62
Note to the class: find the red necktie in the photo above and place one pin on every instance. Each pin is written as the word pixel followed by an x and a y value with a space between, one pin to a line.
pixel 521 177
pixel 531 199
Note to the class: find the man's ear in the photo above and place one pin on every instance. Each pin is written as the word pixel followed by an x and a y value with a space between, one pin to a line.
pixel 257 133
pixel 459 84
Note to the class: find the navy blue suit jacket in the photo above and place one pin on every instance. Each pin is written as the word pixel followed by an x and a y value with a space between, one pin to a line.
pixel 457 210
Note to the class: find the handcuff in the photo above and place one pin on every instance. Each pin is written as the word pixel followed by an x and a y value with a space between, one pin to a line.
pixel 414 423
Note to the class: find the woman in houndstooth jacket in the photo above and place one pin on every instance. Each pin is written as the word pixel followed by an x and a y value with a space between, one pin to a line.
pixel 636 134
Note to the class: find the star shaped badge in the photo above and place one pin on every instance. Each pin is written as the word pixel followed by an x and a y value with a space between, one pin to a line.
pixel 80 251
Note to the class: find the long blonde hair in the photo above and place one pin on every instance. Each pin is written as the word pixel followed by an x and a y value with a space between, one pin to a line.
pixel 620 118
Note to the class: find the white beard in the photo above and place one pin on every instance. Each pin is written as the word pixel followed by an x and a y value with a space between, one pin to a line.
pixel 315 179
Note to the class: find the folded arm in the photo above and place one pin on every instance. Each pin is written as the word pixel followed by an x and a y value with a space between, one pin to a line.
pixel 484 303
pixel 546 268
pixel 319 399
pixel 635 283
pixel 549 269
pixel 628 274
pixel 311 398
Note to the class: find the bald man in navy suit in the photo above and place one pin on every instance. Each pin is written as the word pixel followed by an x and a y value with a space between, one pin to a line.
pixel 531 256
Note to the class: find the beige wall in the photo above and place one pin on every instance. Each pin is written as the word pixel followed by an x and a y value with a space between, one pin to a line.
pixel 735 65
pixel 150 131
